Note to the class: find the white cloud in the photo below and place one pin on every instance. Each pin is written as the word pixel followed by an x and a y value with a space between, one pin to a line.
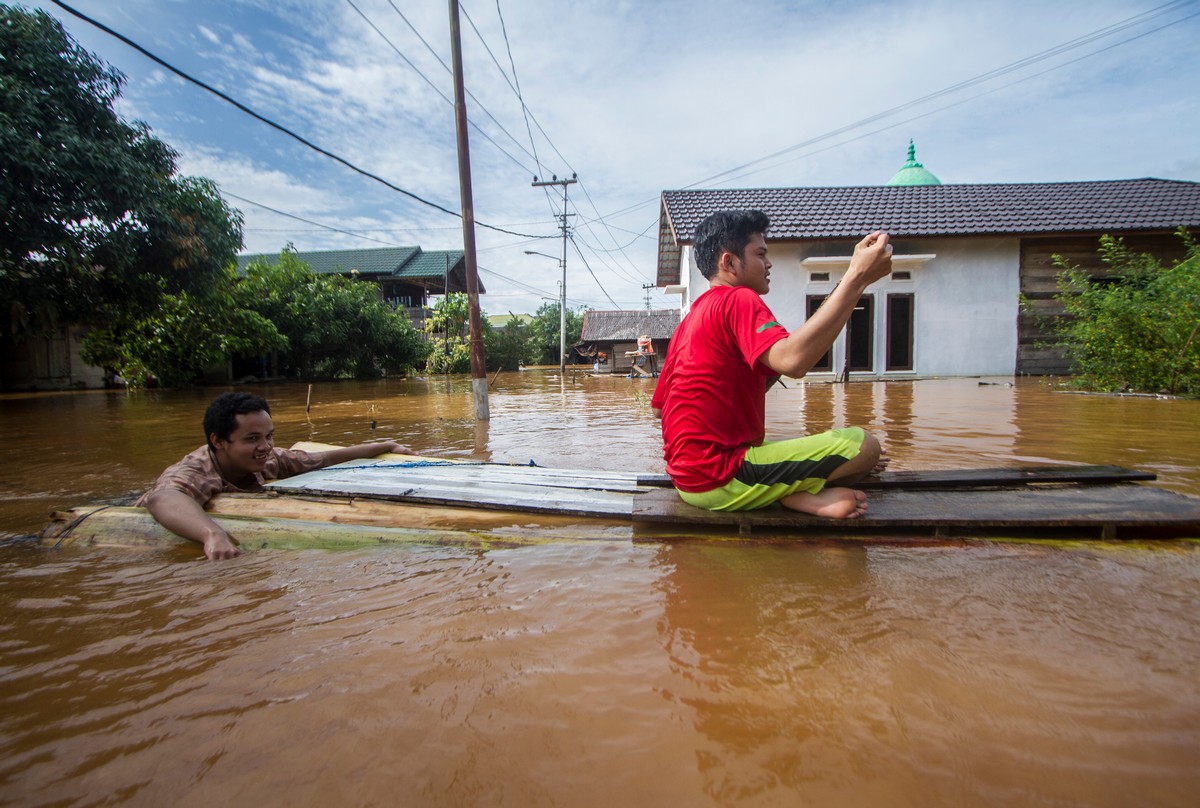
pixel 208 34
pixel 645 96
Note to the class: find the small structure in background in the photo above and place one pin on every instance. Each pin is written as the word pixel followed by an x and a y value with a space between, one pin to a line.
pixel 625 337
pixel 499 322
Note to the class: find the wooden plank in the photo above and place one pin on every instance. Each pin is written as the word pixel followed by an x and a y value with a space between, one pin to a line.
pixel 972 478
pixel 401 473
pixel 1119 505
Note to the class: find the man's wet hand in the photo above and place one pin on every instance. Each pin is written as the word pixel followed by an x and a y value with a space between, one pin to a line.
pixel 218 547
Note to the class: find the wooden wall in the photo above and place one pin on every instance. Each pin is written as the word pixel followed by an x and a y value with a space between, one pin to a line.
pixel 1036 356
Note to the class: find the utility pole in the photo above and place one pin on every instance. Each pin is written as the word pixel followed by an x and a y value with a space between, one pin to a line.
pixel 478 363
pixel 562 292
pixel 646 287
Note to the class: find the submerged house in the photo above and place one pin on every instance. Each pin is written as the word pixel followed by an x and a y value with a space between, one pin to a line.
pixel 965 256
pixel 616 335
pixel 406 276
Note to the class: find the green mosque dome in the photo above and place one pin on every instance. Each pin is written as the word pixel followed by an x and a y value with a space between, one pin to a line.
pixel 912 172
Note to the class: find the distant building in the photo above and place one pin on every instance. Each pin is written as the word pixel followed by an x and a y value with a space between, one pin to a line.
pixel 616 333
pixel 964 257
pixel 406 276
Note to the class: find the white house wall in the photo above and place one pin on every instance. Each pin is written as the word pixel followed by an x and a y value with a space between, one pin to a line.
pixel 965 302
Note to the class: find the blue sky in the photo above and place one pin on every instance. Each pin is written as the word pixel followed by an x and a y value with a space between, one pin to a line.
pixel 637 97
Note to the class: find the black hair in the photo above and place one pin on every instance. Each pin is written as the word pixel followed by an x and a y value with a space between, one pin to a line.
pixel 221 416
pixel 725 231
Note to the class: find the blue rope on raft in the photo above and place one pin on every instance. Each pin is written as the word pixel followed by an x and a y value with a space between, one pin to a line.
pixel 416 464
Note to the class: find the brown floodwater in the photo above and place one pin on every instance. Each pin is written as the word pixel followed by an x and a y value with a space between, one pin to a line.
pixel 603 672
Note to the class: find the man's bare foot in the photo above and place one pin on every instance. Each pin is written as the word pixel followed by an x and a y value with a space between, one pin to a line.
pixel 832 503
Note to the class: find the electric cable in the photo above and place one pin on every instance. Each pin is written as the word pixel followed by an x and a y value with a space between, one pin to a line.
pixel 277 126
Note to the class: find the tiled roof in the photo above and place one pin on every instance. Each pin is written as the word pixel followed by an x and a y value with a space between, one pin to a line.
pixel 409 264
pixel 949 210
pixel 432 264
pixel 627 326
pixel 383 261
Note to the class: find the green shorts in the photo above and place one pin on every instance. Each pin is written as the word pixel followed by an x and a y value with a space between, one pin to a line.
pixel 774 470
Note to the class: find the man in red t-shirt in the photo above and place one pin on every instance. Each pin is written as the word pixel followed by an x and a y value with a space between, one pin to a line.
pixel 711 394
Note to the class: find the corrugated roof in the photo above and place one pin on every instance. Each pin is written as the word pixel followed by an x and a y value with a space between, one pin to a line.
pixel 1110 206
pixel 627 326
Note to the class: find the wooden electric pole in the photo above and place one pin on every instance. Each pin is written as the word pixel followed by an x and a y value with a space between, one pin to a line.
pixel 478 361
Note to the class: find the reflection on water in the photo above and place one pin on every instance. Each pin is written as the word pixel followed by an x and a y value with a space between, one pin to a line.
pixel 598 673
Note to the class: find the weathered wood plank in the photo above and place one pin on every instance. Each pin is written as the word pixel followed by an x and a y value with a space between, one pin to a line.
pixel 1118 505
pixel 1004 477
pixel 977 478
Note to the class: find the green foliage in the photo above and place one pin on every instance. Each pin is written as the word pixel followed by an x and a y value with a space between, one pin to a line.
pixel 1140 332
pixel 93 215
pixel 506 348
pixel 448 332
pixel 543 333
pixel 334 326
pixel 185 334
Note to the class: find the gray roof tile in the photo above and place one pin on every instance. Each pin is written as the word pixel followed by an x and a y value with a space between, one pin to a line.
pixel 627 326
pixel 949 210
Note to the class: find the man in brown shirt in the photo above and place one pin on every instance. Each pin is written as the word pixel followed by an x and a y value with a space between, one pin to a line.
pixel 240 456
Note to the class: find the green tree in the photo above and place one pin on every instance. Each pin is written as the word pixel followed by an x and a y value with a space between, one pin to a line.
pixel 448 332
pixel 543 333
pixel 93 218
pixel 184 334
pixel 1139 332
pixel 334 326
pixel 508 347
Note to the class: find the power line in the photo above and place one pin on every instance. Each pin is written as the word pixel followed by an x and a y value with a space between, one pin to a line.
pixel 275 125
pixel 528 114
pixel 516 89
pixel 593 274
pixel 307 221
pixel 981 78
pixel 429 81
pixel 521 98
pixel 1063 47
pixel 964 100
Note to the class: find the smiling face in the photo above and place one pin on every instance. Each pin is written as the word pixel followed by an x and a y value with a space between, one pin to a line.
pixel 753 268
pixel 248 447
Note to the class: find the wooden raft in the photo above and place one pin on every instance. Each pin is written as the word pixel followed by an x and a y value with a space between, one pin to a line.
pixel 1089 501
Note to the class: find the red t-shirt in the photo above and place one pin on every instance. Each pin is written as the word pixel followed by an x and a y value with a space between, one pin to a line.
pixel 712 391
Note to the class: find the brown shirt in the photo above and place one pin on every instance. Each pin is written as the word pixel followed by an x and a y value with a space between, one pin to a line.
pixel 198 475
